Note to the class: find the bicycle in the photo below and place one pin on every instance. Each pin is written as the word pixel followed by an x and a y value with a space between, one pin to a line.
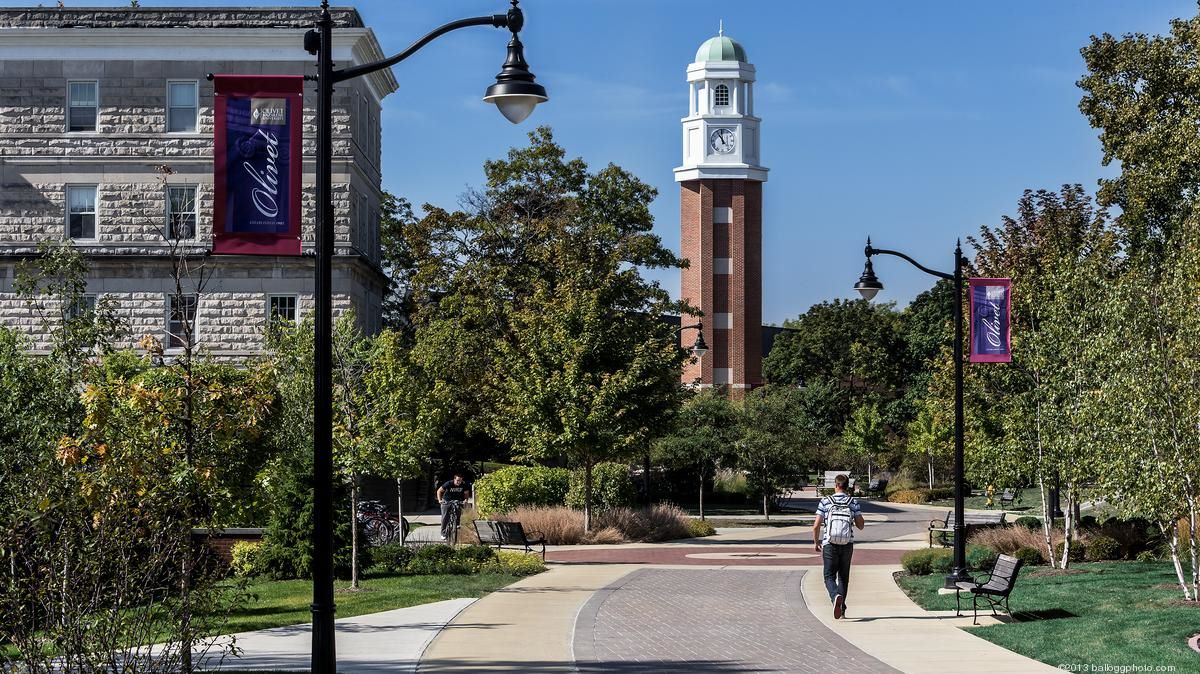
pixel 455 513
pixel 379 527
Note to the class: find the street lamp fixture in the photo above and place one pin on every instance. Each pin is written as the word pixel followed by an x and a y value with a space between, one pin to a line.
pixel 869 286
pixel 699 347
pixel 516 94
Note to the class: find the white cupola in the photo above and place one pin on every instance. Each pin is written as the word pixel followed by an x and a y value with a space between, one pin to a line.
pixel 720 133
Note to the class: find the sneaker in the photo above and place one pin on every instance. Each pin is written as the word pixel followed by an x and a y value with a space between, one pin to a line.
pixel 838 607
pixel 845 609
pixel 443 537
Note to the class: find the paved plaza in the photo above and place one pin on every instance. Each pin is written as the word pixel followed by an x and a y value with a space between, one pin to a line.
pixel 746 600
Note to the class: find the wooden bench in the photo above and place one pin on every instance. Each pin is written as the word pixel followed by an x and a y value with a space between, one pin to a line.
pixel 944 527
pixel 508 534
pixel 995 591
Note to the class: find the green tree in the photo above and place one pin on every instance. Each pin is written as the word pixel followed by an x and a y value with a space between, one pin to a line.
pixel 1140 93
pixel 864 434
pixel 704 436
pixel 779 427
pixel 930 437
pixel 532 321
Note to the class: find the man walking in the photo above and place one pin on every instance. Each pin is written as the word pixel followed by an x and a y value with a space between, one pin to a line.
pixel 837 513
pixel 457 490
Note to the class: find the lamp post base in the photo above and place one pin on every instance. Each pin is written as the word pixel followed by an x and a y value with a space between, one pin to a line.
pixel 956 576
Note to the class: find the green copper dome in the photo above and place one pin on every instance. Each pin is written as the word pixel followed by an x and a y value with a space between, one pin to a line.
pixel 721 48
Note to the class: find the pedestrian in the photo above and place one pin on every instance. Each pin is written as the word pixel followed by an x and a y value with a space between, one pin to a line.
pixel 457 490
pixel 839 514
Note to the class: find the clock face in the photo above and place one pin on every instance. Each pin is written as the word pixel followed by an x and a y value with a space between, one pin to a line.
pixel 722 141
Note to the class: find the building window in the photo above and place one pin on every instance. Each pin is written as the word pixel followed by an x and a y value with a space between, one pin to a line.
pixel 82 306
pixel 182 104
pixel 281 308
pixel 721 95
pixel 81 212
pixel 181 212
pixel 181 320
pixel 83 105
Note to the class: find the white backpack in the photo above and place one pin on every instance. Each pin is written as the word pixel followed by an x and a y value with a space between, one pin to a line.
pixel 839 520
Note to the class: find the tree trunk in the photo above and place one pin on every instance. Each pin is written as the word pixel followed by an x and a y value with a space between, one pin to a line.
pixel 701 492
pixel 1173 540
pixel 587 495
pixel 1068 529
pixel 400 507
pixel 354 532
pixel 1047 522
pixel 931 471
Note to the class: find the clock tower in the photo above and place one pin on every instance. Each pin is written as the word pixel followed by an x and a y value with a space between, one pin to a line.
pixel 720 216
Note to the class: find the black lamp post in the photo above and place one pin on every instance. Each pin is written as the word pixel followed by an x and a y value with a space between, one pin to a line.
pixel 868 286
pixel 516 94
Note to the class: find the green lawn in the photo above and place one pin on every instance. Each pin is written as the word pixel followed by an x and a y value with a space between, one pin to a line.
pixel 1029 503
pixel 1113 613
pixel 289 602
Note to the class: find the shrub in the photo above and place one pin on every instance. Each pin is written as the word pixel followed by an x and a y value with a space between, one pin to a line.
pixel 700 528
pixel 439 559
pixel 910 496
pixel 1146 556
pixel 1008 540
pixel 513 486
pixel 1029 556
pixel 627 521
pixel 1031 523
pixel 664 522
pixel 604 536
pixel 1101 547
pixel 923 562
pixel 479 554
pixel 560 525
pixel 392 557
pixel 612 487
pixel 1078 550
pixel 981 557
pixel 1133 535
pixel 939 493
pixel 518 563
pixel 247 559
pixel 728 481
pixel 1089 522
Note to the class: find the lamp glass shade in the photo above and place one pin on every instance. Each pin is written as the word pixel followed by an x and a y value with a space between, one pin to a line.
pixel 699 348
pixel 516 108
pixel 867 293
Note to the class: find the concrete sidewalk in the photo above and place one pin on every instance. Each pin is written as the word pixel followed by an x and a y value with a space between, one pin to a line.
pixel 391 641
pixel 883 622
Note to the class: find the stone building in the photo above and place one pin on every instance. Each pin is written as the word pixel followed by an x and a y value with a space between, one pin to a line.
pixel 94 101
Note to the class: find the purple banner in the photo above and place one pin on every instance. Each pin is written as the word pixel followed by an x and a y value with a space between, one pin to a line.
pixel 257 162
pixel 991 320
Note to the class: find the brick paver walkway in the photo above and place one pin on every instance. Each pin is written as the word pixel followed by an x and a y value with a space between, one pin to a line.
pixel 709 555
pixel 695 621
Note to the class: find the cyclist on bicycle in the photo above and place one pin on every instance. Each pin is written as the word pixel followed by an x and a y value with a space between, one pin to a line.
pixel 458 490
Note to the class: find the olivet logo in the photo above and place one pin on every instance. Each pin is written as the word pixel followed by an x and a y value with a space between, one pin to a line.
pixel 268 111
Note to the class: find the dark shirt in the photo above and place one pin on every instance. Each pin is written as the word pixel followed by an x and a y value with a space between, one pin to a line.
pixel 450 492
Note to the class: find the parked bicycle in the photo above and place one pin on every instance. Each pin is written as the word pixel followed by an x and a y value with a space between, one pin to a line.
pixel 380 527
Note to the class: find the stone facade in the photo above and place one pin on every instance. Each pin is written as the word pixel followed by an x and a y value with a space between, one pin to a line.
pixel 131 54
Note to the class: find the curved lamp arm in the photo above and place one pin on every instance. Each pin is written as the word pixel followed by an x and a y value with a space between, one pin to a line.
pixel 871 250
pixel 514 20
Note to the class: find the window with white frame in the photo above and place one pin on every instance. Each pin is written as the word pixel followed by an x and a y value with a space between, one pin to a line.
pixel 82 306
pixel 81 212
pixel 181 320
pixel 721 95
pixel 181 212
pixel 83 105
pixel 183 102
pixel 281 308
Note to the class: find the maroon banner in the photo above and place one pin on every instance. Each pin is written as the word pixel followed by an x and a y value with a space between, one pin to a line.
pixel 257 161
pixel 991 320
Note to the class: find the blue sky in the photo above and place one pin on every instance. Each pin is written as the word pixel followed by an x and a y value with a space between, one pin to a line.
pixel 913 122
